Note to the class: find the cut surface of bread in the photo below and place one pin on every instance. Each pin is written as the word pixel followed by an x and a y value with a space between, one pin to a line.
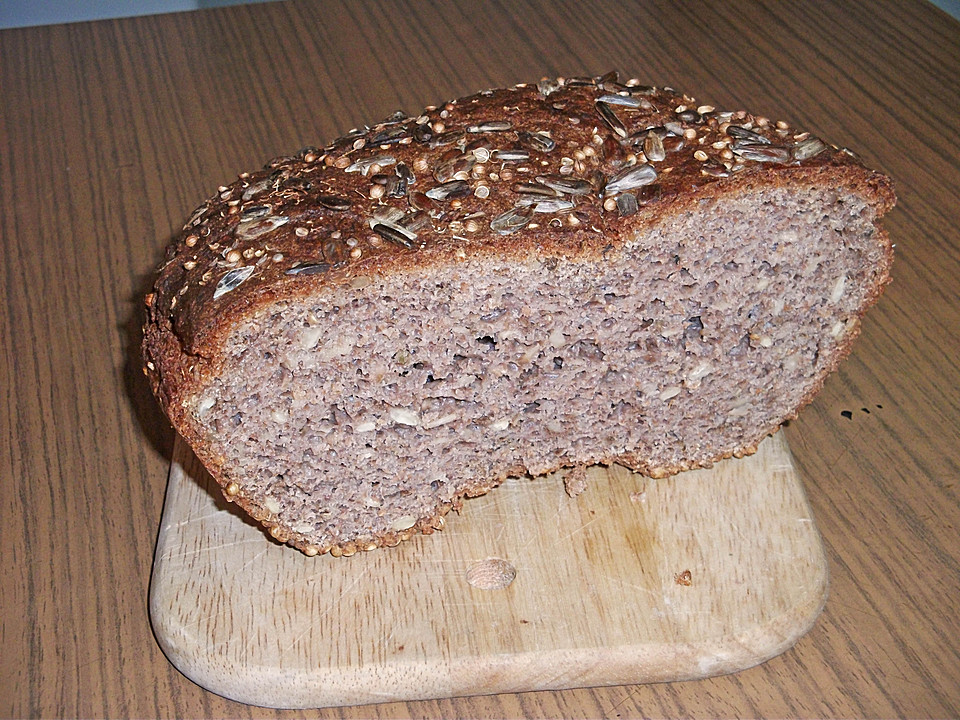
pixel 556 275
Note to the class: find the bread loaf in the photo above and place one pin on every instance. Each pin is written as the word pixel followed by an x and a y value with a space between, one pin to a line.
pixel 558 274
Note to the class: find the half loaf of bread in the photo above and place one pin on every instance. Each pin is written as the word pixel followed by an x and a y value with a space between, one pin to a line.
pixel 557 274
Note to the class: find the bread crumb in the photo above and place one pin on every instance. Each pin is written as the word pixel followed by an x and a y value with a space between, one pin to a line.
pixel 575 480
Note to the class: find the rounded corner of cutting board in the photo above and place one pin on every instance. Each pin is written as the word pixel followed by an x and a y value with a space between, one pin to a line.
pixel 620 607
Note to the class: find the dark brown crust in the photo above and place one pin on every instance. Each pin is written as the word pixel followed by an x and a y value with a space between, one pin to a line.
pixel 187 323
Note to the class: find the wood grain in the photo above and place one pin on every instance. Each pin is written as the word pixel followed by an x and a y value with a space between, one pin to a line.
pixel 111 132
pixel 635 580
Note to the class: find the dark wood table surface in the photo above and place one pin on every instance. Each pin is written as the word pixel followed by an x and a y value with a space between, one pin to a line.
pixel 112 132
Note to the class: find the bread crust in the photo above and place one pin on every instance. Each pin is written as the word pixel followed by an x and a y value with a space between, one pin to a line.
pixel 416 192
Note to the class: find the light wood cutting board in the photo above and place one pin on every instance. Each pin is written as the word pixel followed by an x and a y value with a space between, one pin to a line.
pixel 633 581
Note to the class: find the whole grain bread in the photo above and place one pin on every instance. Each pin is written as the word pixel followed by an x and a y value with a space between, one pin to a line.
pixel 571 272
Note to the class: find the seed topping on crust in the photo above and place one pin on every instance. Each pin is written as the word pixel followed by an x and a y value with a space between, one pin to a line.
pixel 485 166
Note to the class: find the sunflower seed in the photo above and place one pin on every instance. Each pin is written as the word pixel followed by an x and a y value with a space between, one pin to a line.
pixel 627 204
pixel 255 228
pixel 405 173
pixel 296 184
pixel 611 77
pixel 660 130
pixel 624 101
pixel 762 153
pixel 398 116
pixel 537 140
pixel 672 143
pixel 690 116
pixel 530 188
pixel 808 148
pixel 446 138
pixel 232 280
pixel 449 190
pixel 254 189
pixel 417 222
pixel 511 221
pixel 305 268
pixel 444 171
pixel 714 169
pixel 548 86
pixel 653 147
pixel 529 200
pixel 280 167
pixel 453 169
pixel 388 137
pixel 741 133
pixel 363 166
pixel 396 187
pixel 630 178
pixel 396 234
pixel 674 128
pixel 565 185
pixel 355 133
pixel 421 201
pixel 637 89
pixel 611 119
pixel 255 212
pixel 647 194
pixel 552 206
pixel 335 251
pixel 612 151
pixel 423 133
pixel 492 126
pixel 334 202
pixel 510 156
pixel 580 82
pixel 476 144
pixel 387 215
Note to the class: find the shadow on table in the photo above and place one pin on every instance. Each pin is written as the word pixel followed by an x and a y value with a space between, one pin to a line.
pixel 152 422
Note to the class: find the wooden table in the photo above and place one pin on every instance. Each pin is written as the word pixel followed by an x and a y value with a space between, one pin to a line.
pixel 111 132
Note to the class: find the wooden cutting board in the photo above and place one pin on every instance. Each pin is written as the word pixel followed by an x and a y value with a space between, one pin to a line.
pixel 633 581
